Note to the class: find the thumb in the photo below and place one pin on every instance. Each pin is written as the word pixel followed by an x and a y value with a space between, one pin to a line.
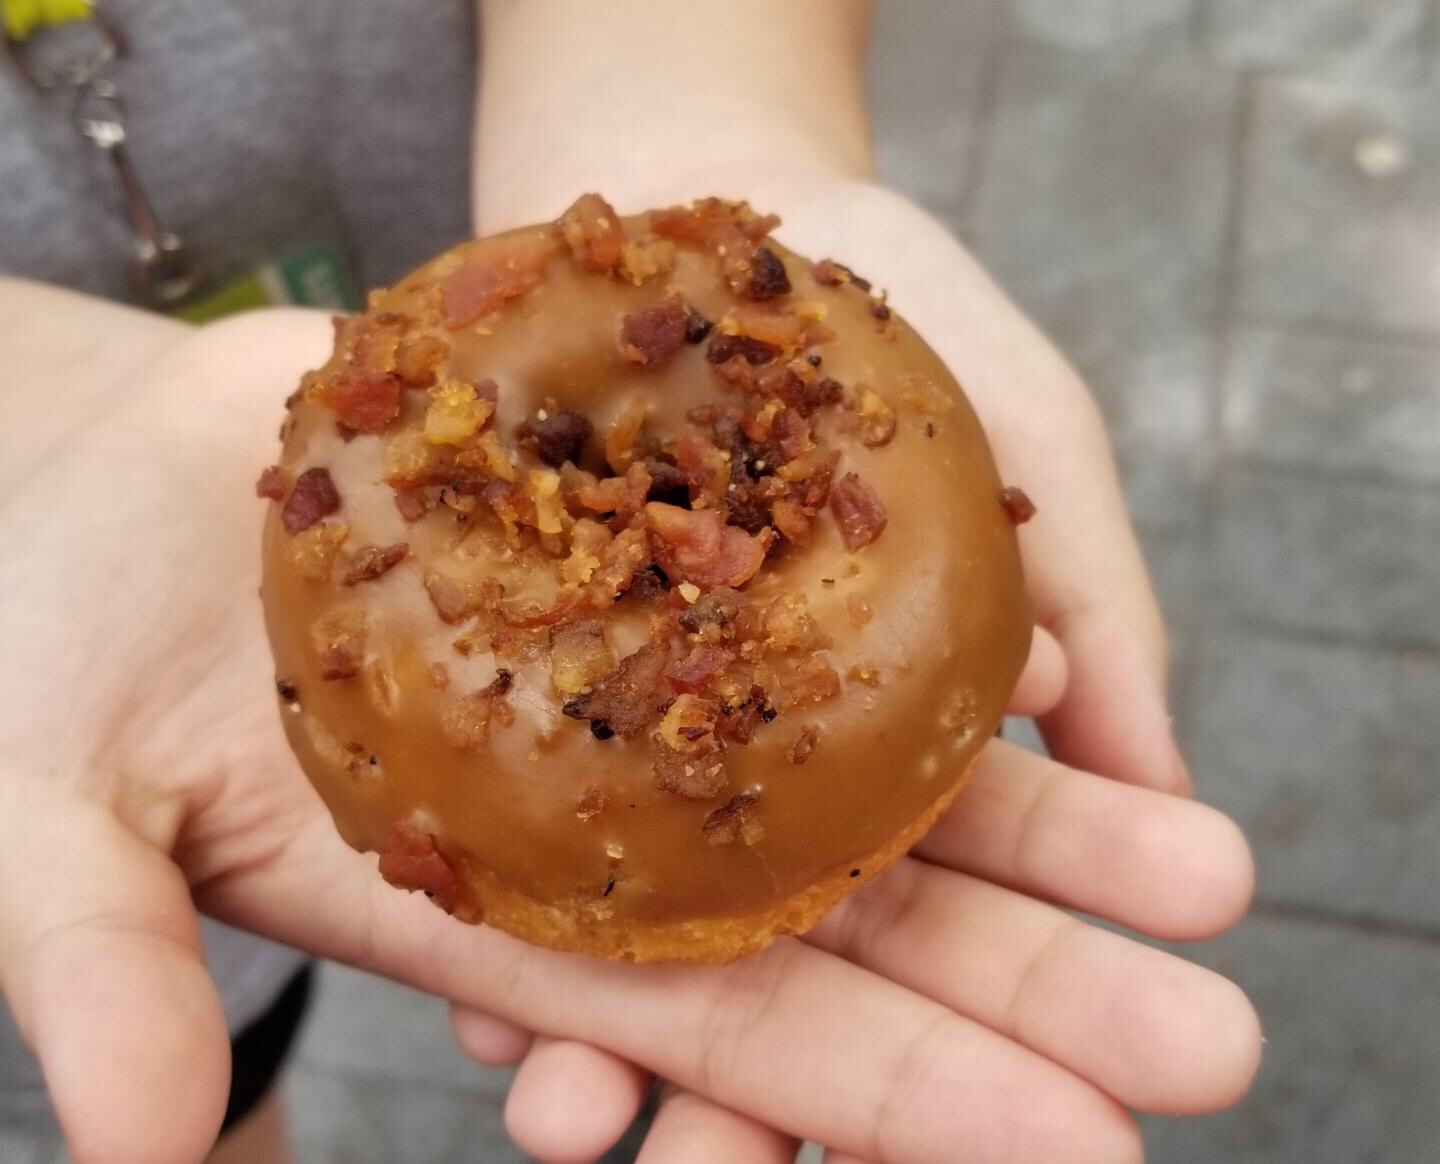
pixel 101 962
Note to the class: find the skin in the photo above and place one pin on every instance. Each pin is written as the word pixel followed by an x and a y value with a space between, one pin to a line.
pixel 953 1009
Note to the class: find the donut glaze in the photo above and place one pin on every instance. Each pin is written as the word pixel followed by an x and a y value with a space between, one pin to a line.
pixel 866 666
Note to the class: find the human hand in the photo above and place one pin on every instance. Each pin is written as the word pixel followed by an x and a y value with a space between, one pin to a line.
pixel 144 755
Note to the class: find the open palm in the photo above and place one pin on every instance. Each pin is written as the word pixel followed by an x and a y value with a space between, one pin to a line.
pixel 951 1011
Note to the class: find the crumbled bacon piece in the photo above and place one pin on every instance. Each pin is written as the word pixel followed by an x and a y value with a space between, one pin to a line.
pixel 791 520
pixel 858 511
pixel 579 656
pixel 623 437
pixel 736 819
pixel 412 503
pixel 780 329
pixel 412 860
pixel 768 277
pixel 789 627
pixel 495 271
pixel 739 722
pixel 832 274
pixel 532 617
pixel 724 348
pixel 667 483
pixel 652 335
pixel 363 399
pixel 1018 507
pixel 804 746
pixel 697 546
pixel 876 421
pixel 593 232
pixel 698 668
pixel 456 599
pixel 313 496
pixel 312 551
pixel 695 777
pixel 456 413
pixel 879 308
pixel 418 360
pixel 712 222
pixel 644 258
pixel 859 610
pixel 622 496
pixel 791 434
pixel 556 437
pixel 591 804
pixel 372 561
pixel 339 638
pixel 813 680
pixel 712 615
pixel 697 327
pixel 271 483
pixel 626 700
pixel 827 390
pixel 466 723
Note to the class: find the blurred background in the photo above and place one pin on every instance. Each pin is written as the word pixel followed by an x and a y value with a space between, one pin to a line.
pixel 1227 213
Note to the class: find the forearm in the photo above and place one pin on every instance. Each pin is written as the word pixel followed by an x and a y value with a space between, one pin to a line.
pixel 652 101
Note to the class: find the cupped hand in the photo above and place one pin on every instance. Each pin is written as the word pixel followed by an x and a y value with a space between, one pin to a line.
pixel 950 1010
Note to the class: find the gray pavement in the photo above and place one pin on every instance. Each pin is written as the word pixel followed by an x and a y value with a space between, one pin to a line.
pixel 1227 212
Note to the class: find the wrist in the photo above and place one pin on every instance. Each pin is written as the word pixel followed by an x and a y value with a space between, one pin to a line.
pixel 652 103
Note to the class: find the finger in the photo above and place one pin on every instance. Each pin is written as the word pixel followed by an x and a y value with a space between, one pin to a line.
pixel 689 1129
pixel 101 962
pixel 1114 718
pixel 794 1038
pixel 571 1102
pixel 1156 1032
pixel 487 1039
pixel 1042 683
pixel 1168 867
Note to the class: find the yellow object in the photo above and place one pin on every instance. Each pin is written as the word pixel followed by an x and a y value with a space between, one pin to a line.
pixel 23 17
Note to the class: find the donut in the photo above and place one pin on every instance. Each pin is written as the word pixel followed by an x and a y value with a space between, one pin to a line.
pixel 635 585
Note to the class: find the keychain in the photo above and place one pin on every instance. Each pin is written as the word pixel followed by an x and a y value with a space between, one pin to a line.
pixel 165 272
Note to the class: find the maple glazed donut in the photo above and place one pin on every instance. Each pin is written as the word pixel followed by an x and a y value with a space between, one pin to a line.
pixel 637 586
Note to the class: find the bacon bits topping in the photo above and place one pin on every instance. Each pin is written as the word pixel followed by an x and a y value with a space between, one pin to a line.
pixel 1018 507
pixel 858 511
pixel 271 483
pixel 697 546
pixel 466 724
pixel 418 360
pixel 457 411
pixel 642 259
pixel 556 437
pixel 314 496
pixel 833 274
pixel 650 336
pixel 411 860
pixel 724 348
pixel 495 271
pixel 363 400
pixel 592 231
pixel 859 610
pixel 688 755
pixel 625 702
pixel 813 681
pixel 456 599
pixel 312 551
pixel 804 746
pixel 768 277
pixel 579 656
pixel 736 819
pixel 370 562
pixel 339 639
pixel 712 616
pixel 876 421
pixel 697 327
pixel 698 668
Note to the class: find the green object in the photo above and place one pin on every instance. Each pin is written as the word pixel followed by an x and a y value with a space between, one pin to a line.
pixel 314 277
